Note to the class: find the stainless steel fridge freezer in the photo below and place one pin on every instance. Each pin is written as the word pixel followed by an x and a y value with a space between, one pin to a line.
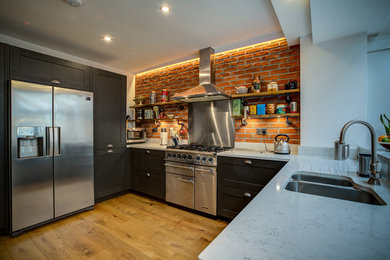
pixel 51 153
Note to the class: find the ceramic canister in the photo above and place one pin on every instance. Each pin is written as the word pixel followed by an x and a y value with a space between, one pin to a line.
pixel 270 108
pixel 281 109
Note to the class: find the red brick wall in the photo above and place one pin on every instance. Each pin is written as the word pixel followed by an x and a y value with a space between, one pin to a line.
pixel 273 61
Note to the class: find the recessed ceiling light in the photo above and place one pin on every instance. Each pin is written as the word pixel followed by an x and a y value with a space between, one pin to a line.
pixel 107 38
pixel 165 9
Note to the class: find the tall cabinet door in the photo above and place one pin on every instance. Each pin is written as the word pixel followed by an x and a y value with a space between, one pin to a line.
pixel 109 133
pixel 3 172
pixel 32 162
pixel 73 150
pixel 109 109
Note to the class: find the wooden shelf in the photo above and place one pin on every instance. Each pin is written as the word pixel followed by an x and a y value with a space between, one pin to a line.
pixel 158 104
pixel 266 94
pixel 249 95
pixel 270 116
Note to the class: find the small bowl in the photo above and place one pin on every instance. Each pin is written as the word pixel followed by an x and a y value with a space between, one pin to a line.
pixel 385 145
pixel 170 116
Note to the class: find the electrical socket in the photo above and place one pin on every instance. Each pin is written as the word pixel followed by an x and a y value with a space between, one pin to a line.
pixel 261 131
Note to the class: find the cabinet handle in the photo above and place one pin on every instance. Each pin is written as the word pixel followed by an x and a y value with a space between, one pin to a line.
pixel 110 146
pixel 248 161
pixel 110 151
pixel 247 195
pixel 185 180
pixel 54 81
pixel 148 152
pixel 148 174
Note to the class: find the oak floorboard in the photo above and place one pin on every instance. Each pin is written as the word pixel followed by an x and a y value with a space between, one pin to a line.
pixel 131 226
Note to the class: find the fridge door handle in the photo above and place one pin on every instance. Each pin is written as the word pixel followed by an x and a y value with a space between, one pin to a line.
pixel 49 141
pixel 57 140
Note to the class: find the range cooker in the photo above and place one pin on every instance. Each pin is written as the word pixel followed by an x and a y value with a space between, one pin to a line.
pixel 191 176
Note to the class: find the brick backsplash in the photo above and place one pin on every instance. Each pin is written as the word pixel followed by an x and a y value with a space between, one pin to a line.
pixel 273 61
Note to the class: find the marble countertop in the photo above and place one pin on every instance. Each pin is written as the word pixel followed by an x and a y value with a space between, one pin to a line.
pixel 152 146
pixel 256 154
pixel 281 224
pixel 236 152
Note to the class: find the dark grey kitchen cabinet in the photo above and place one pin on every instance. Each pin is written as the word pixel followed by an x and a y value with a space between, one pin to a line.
pixel 3 117
pixel 3 84
pixel 112 175
pixel 36 67
pixel 148 172
pixel 109 109
pixel 240 180
pixel 3 204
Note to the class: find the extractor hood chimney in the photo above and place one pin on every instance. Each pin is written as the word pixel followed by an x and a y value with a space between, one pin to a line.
pixel 206 91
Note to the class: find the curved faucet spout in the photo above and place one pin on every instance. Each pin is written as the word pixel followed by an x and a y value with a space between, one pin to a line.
pixel 342 150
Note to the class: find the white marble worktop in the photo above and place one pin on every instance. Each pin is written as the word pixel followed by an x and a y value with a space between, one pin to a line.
pixel 256 154
pixel 281 224
pixel 151 146
pixel 236 152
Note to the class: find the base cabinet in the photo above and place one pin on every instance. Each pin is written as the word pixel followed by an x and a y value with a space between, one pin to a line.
pixel 148 172
pixel 111 176
pixel 3 209
pixel 240 180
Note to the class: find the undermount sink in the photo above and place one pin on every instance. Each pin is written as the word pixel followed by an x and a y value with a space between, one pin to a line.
pixel 323 178
pixel 338 187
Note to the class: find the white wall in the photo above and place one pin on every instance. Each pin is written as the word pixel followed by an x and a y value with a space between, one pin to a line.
pixel 333 89
pixel 378 88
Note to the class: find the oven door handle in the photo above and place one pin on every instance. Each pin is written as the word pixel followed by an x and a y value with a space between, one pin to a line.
pixel 210 171
pixel 185 180
pixel 178 166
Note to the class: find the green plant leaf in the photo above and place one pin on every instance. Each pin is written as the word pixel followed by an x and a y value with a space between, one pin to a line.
pixel 387 119
pixel 387 128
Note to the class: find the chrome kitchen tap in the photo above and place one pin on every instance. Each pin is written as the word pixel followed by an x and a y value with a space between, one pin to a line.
pixel 341 150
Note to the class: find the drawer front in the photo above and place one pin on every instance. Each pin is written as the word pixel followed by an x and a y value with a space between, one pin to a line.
pixel 149 182
pixel 232 200
pixel 248 170
pixel 149 160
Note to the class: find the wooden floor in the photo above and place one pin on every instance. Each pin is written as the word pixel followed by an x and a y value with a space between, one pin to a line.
pixel 127 227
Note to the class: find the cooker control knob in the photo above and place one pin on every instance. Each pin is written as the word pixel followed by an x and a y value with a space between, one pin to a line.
pixel 173 155
pixel 204 158
pixel 169 155
pixel 184 156
pixel 179 156
pixel 189 157
pixel 198 158
pixel 210 159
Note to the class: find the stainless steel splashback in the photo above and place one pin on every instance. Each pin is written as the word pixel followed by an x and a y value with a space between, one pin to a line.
pixel 211 123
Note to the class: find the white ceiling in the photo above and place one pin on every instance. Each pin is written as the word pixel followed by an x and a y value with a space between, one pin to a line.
pixel 294 17
pixel 143 37
pixel 332 19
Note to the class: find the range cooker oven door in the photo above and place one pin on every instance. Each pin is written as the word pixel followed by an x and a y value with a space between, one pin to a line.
pixel 206 189
pixel 180 184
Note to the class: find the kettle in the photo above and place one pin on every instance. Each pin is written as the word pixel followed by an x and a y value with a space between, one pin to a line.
pixel 280 145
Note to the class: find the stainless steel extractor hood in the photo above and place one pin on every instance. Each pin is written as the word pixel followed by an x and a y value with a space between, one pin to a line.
pixel 206 91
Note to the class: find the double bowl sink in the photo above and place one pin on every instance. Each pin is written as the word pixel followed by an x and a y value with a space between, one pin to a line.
pixel 332 186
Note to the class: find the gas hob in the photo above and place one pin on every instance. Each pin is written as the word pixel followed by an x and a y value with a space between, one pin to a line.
pixel 196 154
